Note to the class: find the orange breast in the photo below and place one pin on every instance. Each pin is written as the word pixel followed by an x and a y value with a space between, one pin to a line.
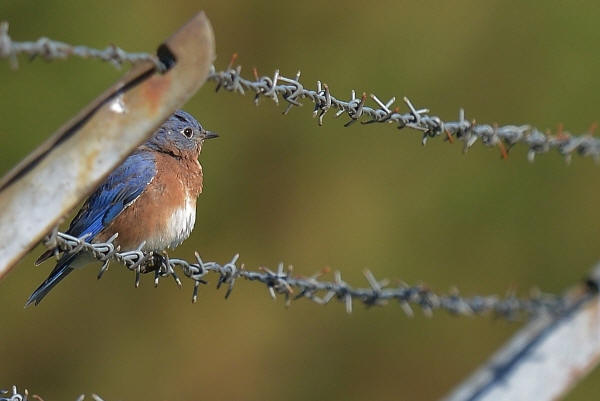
pixel 164 214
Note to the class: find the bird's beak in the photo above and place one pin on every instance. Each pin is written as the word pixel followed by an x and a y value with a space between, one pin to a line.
pixel 210 135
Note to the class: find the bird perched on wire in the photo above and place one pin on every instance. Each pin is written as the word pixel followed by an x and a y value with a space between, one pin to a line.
pixel 150 198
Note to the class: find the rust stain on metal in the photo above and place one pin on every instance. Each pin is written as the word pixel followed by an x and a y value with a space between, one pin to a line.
pixel 155 89
pixel 86 168
pixel 90 161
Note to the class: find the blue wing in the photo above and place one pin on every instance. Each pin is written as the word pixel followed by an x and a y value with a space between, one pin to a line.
pixel 122 187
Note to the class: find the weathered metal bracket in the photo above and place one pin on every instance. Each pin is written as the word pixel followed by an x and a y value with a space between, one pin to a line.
pixel 546 358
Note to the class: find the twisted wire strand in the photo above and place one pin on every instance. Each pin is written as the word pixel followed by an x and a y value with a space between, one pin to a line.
pixel 52 50
pixel 419 119
pixel 282 281
pixel 292 92
pixel 15 395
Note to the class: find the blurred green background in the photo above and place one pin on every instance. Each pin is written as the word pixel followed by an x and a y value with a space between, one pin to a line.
pixel 282 188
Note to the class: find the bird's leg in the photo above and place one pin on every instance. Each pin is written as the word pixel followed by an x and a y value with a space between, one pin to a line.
pixel 155 264
pixel 161 267
pixel 170 270
pixel 158 263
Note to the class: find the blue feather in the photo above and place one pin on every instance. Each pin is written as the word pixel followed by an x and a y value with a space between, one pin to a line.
pixel 120 188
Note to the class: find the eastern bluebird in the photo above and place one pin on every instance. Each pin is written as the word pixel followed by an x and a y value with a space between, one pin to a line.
pixel 150 197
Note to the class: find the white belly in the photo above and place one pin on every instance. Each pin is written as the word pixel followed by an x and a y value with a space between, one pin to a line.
pixel 177 229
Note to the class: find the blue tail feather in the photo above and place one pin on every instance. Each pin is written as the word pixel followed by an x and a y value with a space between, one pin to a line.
pixel 62 269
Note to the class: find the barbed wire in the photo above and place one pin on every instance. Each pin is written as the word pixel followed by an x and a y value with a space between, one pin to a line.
pixel 282 281
pixel 292 91
pixel 504 137
pixel 51 50
pixel 15 395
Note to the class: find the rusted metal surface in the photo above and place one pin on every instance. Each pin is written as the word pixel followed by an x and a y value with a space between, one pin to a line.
pixel 57 175
pixel 544 359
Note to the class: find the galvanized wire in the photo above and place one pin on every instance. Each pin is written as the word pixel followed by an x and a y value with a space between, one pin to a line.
pixel 15 395
pixel 282 281
pixel 355 108
pixel 467 131
pixel 51 50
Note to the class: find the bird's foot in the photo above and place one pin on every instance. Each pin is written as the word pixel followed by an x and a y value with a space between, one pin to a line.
pixel 162 267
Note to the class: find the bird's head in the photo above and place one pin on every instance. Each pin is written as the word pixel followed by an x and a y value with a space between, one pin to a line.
pixel 181 135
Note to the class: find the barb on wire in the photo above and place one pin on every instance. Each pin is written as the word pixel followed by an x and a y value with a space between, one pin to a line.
pixel 419 119
pixel 356 108
pixel 51 50
pixel 281 281
pixel 16 395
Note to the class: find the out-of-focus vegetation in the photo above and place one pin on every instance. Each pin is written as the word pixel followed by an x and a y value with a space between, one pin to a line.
pixel 281 188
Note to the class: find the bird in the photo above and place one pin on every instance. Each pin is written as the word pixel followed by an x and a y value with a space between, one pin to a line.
pixel 150 198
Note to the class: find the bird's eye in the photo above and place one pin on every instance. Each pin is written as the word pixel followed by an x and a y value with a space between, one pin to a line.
pixel 188 132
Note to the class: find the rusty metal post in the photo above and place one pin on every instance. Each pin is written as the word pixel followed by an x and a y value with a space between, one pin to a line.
pixel 56 176
pixel 546 358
